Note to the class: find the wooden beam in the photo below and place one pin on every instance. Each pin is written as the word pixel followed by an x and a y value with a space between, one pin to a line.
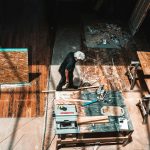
pixel 84 120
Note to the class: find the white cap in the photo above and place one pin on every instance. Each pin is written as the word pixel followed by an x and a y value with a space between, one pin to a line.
pixel 79 55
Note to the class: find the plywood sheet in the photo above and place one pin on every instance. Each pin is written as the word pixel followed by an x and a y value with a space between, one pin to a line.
pixel 67 94
pixel 14 65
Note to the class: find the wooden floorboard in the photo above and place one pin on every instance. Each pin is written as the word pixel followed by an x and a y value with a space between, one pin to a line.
pixel 29 29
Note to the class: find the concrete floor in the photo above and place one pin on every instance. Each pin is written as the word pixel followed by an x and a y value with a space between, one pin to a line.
pixel 21 133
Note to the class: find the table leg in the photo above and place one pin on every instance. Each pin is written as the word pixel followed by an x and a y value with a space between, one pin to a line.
pixel 132 73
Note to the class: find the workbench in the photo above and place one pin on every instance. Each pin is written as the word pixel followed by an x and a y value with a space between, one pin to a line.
pixel 132 72
pixel 144 104
pixel 142 64
pixel 99 133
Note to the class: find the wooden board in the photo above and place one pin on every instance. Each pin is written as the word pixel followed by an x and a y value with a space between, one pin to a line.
pixel 14 65
pixel 144 58
pixel 92 119
pixel 67 94
pixel 112 111
pixel 93 140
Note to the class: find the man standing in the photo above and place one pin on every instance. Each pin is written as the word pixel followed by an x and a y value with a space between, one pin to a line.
pixel 67 67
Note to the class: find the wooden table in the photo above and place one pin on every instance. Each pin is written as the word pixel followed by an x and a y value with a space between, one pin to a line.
pixel 91 133
pixel 144 58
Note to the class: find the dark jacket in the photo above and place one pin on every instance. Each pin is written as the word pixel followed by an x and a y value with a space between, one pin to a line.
pixel 68 63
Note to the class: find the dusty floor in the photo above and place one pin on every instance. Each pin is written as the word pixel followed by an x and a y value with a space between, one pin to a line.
pixel 21 133
pixel 141 134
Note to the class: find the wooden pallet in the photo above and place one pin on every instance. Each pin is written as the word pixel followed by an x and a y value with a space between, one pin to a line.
pixel 91 139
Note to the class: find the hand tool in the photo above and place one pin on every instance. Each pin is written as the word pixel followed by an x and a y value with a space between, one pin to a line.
pixel 88 103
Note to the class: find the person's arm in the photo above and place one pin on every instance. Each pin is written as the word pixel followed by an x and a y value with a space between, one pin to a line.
pixel 67 75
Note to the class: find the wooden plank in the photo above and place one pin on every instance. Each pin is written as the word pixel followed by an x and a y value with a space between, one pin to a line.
pixel 48 91
pixel 91 140
pixel 71 100
pixel 88 87
pixel 144 58
pixel 1 107
pixel 85 120
pixel 33 106
pixel 67 94
pixel 98 122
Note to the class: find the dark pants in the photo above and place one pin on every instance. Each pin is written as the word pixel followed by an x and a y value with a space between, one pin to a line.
pixel 62 81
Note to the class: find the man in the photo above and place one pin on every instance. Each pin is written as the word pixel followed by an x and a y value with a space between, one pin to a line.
pixel 66 69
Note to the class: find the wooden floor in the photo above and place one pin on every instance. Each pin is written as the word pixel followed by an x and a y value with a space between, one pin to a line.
pixel 25 25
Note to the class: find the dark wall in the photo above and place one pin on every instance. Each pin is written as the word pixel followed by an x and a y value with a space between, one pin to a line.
pixel 145 27
pixel 11 10
pixel 14 10
pixel 117 9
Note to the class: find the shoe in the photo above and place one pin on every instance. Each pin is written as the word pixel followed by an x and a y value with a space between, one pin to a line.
pixel 72 87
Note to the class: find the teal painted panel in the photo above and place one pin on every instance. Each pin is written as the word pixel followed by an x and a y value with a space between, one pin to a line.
pixel 13 49
pixel 112 98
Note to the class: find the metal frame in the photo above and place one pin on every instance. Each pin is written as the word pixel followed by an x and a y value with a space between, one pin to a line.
pixel 132 72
